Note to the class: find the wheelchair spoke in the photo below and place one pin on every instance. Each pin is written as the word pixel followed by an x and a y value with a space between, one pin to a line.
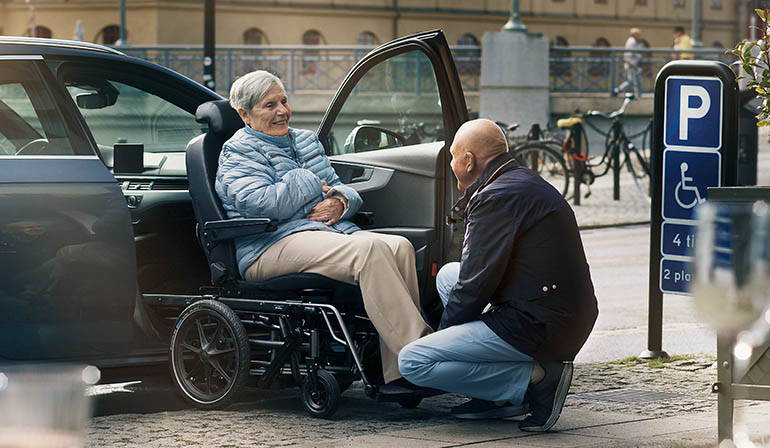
pixel 221 351
pixel 215 364
pixel 201 334
pixel 193 349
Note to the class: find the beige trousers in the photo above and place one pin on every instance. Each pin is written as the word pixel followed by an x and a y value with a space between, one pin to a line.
pixel 382 265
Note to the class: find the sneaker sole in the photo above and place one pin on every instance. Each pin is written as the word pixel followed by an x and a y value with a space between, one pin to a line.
pixel 507 412
pixel 558 402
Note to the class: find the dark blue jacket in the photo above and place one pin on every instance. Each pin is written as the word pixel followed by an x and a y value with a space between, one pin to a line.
pixel 523 254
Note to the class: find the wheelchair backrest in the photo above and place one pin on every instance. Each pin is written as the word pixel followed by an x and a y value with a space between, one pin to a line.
pixel 202 161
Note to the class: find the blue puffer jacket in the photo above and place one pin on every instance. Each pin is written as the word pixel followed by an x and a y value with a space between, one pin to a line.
pixel 277 177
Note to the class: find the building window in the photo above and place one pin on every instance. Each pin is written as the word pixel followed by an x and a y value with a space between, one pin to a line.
pixel 109 35
pixel 599 60
pixel 640 2
pixel 679 3
pixel 560 59
pixel 716 4
pixel 310 58
pixel 255 36
pixel 468 60
pixel 40 31
pixel 367 38
pixel 600 2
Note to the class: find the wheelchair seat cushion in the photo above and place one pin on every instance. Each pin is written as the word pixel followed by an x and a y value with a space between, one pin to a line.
pixel 322 289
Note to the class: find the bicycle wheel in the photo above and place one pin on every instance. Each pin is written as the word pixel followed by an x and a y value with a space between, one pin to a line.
pixel 639 168
pixel 546 162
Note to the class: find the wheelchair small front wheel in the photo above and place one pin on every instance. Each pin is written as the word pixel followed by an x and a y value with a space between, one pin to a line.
pixel 321 396
pixel 210 354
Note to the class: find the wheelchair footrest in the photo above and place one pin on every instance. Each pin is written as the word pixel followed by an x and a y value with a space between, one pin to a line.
pixel 393 393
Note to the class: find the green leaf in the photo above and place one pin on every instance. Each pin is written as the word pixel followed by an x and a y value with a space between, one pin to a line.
pixel 763 123
pixel 749 69
pixel 761 14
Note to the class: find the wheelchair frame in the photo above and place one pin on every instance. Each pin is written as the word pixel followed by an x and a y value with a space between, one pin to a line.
pixel 219 341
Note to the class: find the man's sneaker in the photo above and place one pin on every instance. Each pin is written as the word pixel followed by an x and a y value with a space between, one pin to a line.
pixel 546 397
pixel 477 409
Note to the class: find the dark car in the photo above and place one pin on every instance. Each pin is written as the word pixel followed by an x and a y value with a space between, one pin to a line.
pixel 91 235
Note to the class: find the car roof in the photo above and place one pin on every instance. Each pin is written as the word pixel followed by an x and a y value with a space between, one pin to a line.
pixel 14 44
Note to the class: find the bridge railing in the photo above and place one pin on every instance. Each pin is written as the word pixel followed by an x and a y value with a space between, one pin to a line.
pixel 601 69
pixel 323 67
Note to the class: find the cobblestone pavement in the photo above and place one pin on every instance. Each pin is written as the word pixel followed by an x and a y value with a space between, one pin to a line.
pixel 276 418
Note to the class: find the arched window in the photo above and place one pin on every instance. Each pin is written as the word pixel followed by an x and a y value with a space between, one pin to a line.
pixel 717 44
pixel 310 57
pixel 599 64
pixel 367 38
pixel 468 60
pixel 255 36
pixel 312 37
pixel 109 35
pixel 40 31
pixel 560 59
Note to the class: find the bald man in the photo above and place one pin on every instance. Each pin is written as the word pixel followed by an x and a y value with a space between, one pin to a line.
pixel 522 259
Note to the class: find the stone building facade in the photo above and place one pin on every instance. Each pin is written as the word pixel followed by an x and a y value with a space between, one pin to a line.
pixel 350 22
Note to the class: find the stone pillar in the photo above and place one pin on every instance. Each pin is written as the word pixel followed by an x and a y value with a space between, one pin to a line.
pixel 514 78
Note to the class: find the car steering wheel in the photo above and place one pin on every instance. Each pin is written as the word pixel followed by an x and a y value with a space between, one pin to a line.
pixel 34 146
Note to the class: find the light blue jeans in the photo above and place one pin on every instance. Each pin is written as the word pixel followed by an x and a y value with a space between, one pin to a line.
pixel 468 359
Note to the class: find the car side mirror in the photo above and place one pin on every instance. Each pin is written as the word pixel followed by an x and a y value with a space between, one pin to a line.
pixel 367 138
pixel 128 158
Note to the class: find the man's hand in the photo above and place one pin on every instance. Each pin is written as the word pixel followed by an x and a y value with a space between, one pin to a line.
pixel 329 211
pixel 325 188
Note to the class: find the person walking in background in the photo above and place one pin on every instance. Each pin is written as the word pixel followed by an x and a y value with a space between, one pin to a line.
pixel 632 63
pixel 682 42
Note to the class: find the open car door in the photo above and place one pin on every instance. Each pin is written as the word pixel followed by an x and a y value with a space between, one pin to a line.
pixel 388 132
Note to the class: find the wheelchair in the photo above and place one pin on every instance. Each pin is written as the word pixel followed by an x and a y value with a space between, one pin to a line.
pixel 300 329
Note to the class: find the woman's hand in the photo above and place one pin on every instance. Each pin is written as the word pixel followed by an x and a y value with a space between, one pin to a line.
pixel 329 211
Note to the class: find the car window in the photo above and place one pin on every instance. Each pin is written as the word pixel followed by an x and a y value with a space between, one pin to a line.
pixel 30 122
pixel 396 103
pixel 117 112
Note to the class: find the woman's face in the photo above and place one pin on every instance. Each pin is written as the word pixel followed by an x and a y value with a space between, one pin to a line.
pixel 271 114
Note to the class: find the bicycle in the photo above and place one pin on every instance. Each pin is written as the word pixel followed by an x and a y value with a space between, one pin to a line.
pixel 636 161
pixel 541 151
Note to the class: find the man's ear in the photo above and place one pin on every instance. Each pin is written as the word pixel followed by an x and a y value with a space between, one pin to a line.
pixel 470 161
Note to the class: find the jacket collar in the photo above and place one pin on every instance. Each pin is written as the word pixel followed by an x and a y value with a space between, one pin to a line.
pixel 497 166
pixel 281 141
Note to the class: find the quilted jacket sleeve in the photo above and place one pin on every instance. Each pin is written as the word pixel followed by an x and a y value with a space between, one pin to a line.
pixel 248 186
pixel 354 200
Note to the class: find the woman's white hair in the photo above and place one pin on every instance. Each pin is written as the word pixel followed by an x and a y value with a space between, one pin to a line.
pixel 250 88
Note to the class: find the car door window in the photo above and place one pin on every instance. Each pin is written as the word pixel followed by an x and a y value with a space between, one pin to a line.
pixel 30 122
pixel 396 103
pixel 118 112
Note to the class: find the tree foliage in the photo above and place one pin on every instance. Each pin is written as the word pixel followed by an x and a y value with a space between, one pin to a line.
pixel 754 58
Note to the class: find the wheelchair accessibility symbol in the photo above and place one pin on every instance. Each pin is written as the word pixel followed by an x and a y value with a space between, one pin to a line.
pixel 683 187
pixel 687 175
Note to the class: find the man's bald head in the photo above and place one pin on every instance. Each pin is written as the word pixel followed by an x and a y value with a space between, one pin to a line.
pixel 476 143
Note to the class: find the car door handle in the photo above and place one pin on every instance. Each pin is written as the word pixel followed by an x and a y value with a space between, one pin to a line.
pixel 366 174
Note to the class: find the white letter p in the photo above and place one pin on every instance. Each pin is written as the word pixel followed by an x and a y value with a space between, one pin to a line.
pixel 686 112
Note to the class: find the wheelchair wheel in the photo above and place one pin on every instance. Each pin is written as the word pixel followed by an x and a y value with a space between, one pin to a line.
pixel 210 354
pixel 321 397
pixel 411 403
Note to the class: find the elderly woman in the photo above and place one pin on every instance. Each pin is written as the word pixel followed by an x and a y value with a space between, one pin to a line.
pixel 268 169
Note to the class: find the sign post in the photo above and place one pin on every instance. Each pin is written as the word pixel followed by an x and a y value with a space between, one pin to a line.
pixel 694 147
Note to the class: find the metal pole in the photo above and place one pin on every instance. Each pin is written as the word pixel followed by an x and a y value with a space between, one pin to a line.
pixel 616 166
pixel 696 23
pixel 122 30
pixel 514 23
pixel 209 44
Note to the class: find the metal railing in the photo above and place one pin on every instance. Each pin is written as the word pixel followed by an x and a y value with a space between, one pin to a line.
pixel 601 69
pixel 314 67
pixel 300 67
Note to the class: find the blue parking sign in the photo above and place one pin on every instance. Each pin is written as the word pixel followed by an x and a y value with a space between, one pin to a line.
pixel 687 175
pixel 693 112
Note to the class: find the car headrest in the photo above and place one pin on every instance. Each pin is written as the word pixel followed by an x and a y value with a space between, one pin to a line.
pixel 222 119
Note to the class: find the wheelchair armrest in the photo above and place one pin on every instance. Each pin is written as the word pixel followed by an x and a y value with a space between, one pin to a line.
pixel 228 229
pixel 363 219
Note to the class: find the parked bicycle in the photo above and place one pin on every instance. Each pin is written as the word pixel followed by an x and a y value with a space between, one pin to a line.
pixel 541 151
pixel 559 160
